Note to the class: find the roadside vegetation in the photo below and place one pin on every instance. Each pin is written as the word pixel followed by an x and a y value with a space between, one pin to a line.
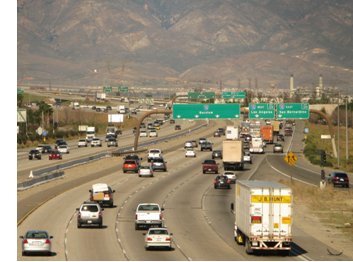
pixel 59 122
pixel 314 144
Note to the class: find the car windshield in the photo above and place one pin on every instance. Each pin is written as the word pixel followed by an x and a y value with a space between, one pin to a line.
pixel 209 162
pixel 158 232
pixel 37 235
pixel 144 167
pixel 154 151
pixel 130 162
pixel 148 208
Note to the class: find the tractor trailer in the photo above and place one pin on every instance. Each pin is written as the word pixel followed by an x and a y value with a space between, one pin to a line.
pixel 263 216
pixel 233 158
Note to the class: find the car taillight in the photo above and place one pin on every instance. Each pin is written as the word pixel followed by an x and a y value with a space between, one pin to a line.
pixel 168 238
pixel 228 181
pixel 135 217
pixel 79 215
pixel 100 213
pixel 149 239
pixel 25 241
pixel 214 182
pixel 160 216
pixel 47 241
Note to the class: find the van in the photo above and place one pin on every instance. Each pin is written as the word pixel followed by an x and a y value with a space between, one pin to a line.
pixel 102 194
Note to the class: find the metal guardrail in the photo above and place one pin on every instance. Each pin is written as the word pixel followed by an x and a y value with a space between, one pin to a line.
pixel 49 173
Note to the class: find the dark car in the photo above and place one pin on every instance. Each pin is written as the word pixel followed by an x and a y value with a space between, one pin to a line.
pixel 221 131
pixel 130 166
pixel 217 154
pixel 280 137
pixel 60 142
pixel 216 134
pixel 177 127
pixel 44 149
pixel 159 164
pixel 247 138
pixel 194 143
pixel 206 146
pixel 34 153
pixel 339 179
pixel 171 121
pixel 246 145
pixel 55 154
pixel 222 182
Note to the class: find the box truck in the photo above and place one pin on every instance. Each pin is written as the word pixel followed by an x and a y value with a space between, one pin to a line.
pixel 90 133
pixel 232 133
pixel 263 215
pixel 232 153
pixel 267 134
pixel 276 127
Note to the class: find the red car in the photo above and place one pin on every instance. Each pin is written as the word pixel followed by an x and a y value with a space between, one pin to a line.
pixel 55 154
pixel 130 165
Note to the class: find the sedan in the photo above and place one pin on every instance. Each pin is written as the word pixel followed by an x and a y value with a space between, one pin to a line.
pixel 158 237
pixel 34 153
pixel 217 154
pixel 247 157
pixel 190 153
pixel 338 178
pixel 222 182
pixel 64 149
pixel 36 241
pixel 145 171
pixel 231 176
pixel 277 148
pixel 55 154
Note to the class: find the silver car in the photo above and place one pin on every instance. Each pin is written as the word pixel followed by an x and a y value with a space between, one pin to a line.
pixel 35 242
pixel 90 213
pixel 231 176
pixel 145 171
pixel 158 237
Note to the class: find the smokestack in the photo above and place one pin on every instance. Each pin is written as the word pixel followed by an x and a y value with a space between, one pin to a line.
pixel 291 86
pixel 321 84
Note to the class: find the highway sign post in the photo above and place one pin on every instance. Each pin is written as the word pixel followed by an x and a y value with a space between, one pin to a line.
pixel 123 89
pixel 261 111
pixel 199 95
pixel 206 111
pixel 293 111
pixel 107 89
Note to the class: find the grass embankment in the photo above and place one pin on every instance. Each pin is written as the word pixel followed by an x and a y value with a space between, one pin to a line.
pixel 333 207
pixel 314 143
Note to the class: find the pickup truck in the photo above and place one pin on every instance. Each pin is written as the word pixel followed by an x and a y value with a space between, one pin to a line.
pixel 209 166
pixel 148 215
pixel 153 153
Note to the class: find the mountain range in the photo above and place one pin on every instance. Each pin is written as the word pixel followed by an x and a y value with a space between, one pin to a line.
pixel 187 42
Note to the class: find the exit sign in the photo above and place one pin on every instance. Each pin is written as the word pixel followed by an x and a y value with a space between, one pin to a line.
pixel 206 111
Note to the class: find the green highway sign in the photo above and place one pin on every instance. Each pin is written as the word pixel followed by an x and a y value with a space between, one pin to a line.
pixel 205 111
pixel 203 95
pixel 123 89
pixel 293 111
pixel 261 111
pixel 107 89
pixel 230 95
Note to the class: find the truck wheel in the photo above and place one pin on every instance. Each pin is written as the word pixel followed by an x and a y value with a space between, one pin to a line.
pixel 248 249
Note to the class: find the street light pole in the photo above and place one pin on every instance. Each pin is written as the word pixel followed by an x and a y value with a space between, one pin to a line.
pixel 347 128
pixel 338 131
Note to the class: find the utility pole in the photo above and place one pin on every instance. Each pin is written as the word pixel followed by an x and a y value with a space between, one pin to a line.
pixel 347 128
pixel 338 131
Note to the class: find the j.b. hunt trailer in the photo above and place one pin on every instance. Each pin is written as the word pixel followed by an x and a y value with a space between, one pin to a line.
pixel 263 215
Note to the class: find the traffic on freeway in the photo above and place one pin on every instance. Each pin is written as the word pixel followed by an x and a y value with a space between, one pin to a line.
pixel 175 199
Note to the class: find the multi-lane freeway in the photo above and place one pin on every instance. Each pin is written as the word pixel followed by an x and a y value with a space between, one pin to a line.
pixel 198 215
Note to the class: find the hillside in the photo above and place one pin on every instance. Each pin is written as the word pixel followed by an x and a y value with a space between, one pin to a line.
pixel 138 41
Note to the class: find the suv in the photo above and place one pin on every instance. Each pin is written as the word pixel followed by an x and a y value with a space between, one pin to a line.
pixel 112 142
pixel 44 149
pixel 130 165
pixel 206 146
pixel 90 213
pixel 217 154
pixel 34 153
pixel 338 178
pixel 134 157
pixel 158 164
pixel 82 142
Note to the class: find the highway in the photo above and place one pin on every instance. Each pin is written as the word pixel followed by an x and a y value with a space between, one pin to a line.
pixel 198 215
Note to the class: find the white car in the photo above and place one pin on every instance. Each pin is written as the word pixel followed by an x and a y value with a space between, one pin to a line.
pixel 190 153
pixel 188 144
pixel 82 142
pixel 247 158
pixel 143 133
pixel 145 171
pixel 64 149
pixel 231 176
pixel 153 133
pixel 96 142
pixel 158 237
pixel 36 241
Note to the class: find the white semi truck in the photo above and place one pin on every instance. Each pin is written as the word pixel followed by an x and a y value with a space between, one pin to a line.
pixel 90 133
pixel 232 155
pixel 257 145
pixel 263 216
